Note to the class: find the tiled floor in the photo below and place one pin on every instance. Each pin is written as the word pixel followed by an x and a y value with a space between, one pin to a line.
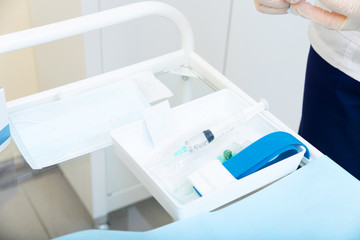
pixel 35 210
pixel 142 216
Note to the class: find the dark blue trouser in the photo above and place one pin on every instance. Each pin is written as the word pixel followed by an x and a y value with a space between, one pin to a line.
pixel 331 113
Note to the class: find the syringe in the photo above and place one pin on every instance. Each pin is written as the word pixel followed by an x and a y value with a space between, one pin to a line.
pixel 202 139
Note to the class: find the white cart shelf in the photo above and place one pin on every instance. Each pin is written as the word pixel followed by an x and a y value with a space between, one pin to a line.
pixel 188 69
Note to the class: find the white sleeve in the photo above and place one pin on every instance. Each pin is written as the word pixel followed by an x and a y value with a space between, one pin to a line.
pixel 340 49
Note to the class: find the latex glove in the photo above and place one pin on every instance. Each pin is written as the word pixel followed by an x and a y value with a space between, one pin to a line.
pixel 344 14
pixel 273 6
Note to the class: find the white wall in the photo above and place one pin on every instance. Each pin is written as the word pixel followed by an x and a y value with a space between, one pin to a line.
pixel 153 36
pixel 267 58
pixel 29 70
pixel 18 74
pixel 62 61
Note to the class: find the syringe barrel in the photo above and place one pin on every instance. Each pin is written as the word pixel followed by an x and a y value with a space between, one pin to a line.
pixel 199 141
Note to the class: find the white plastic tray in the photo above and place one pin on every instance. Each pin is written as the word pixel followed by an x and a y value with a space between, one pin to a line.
pixel 133 145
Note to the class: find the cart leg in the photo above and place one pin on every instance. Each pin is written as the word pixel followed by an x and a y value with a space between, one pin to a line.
pixel 98 178
pixel 101 223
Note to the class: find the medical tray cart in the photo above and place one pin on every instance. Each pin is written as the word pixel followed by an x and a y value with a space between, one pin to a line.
pixel 184 62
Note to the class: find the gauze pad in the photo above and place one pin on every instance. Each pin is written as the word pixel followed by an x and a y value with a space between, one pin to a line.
pixel 58 131
pixel 152 89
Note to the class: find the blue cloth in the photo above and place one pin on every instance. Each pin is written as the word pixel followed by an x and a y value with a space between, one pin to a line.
pixel 318 201
pixel 331 113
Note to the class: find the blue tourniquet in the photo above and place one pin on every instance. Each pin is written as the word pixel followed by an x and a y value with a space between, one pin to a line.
pixel 268 150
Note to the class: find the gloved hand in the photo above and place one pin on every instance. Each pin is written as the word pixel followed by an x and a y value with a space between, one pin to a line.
pixel 274 6
pixel 344 15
